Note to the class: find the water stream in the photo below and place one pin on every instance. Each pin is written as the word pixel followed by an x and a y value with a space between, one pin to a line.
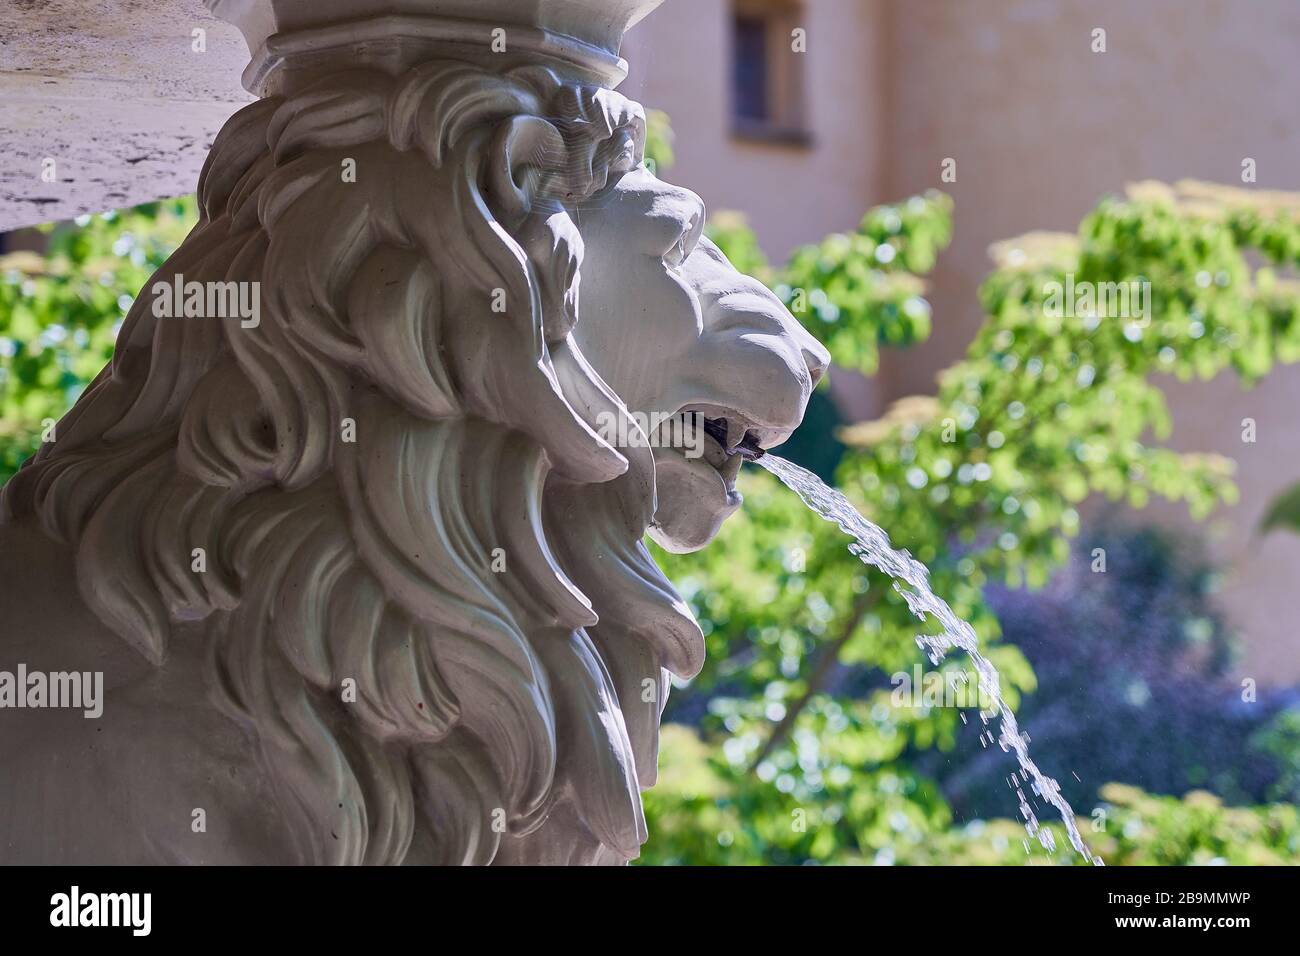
pixel 911 580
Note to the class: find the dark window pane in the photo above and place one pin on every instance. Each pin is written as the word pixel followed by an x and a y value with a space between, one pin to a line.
pixel 749 68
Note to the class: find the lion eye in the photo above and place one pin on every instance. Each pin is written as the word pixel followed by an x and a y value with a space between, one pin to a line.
pixel 675 256
pixel 681 250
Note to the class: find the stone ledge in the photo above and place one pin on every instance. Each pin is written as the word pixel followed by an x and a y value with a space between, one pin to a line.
pixel 113 92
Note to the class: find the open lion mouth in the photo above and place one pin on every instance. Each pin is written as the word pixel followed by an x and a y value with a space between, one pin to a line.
pixel 714 441
pixel 719 429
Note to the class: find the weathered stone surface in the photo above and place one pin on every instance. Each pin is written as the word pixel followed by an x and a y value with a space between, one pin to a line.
pixel 114 92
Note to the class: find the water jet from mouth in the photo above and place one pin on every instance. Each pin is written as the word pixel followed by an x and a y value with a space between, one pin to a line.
pixel 911 580
pixel 747 448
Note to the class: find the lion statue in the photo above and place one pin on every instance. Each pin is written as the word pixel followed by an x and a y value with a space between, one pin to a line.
pixel 365 580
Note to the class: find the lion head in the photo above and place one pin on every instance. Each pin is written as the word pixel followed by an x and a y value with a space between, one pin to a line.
pixel 403 477
pixel 684 338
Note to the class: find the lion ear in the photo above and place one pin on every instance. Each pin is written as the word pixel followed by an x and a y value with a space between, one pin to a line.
pixel 524 150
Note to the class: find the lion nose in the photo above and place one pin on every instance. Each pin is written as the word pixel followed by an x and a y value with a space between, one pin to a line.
pixel 814 353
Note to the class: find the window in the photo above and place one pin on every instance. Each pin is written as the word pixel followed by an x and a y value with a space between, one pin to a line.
pixel 766 72
pixel 750 69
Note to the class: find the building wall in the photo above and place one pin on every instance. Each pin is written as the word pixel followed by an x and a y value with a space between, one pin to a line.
pixel 1041 128
pixel 792 194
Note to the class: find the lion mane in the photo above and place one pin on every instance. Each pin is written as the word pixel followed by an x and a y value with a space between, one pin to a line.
pixel 394 479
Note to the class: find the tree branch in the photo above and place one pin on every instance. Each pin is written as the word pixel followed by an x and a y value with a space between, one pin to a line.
pixel 826 659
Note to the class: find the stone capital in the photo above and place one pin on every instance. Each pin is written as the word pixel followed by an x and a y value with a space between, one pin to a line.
pixel 289 40
pixel 355 524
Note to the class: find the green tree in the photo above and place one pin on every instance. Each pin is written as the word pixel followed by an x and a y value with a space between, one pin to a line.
pixel 60 312
pixel 807 756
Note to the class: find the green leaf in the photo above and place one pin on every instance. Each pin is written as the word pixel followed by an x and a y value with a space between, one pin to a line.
pixel 1283 511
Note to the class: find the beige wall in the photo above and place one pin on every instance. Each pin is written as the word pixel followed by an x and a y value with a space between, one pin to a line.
pixel 792 194
pixel 1041 128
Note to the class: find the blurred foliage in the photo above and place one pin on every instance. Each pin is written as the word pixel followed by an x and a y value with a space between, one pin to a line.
pixel 658 141
pixel 1280 740
pixel 980 482
pixel 60 312
pixel 1283 511
pixel 702 813
pixel 1131 657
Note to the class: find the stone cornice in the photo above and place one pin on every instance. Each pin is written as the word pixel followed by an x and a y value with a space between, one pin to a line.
pixel 396 42
pixel 292 39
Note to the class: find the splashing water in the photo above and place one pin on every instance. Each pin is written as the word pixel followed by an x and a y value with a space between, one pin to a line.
pixel 911 580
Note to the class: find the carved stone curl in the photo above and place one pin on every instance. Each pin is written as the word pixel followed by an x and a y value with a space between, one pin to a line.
pixel 365 578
